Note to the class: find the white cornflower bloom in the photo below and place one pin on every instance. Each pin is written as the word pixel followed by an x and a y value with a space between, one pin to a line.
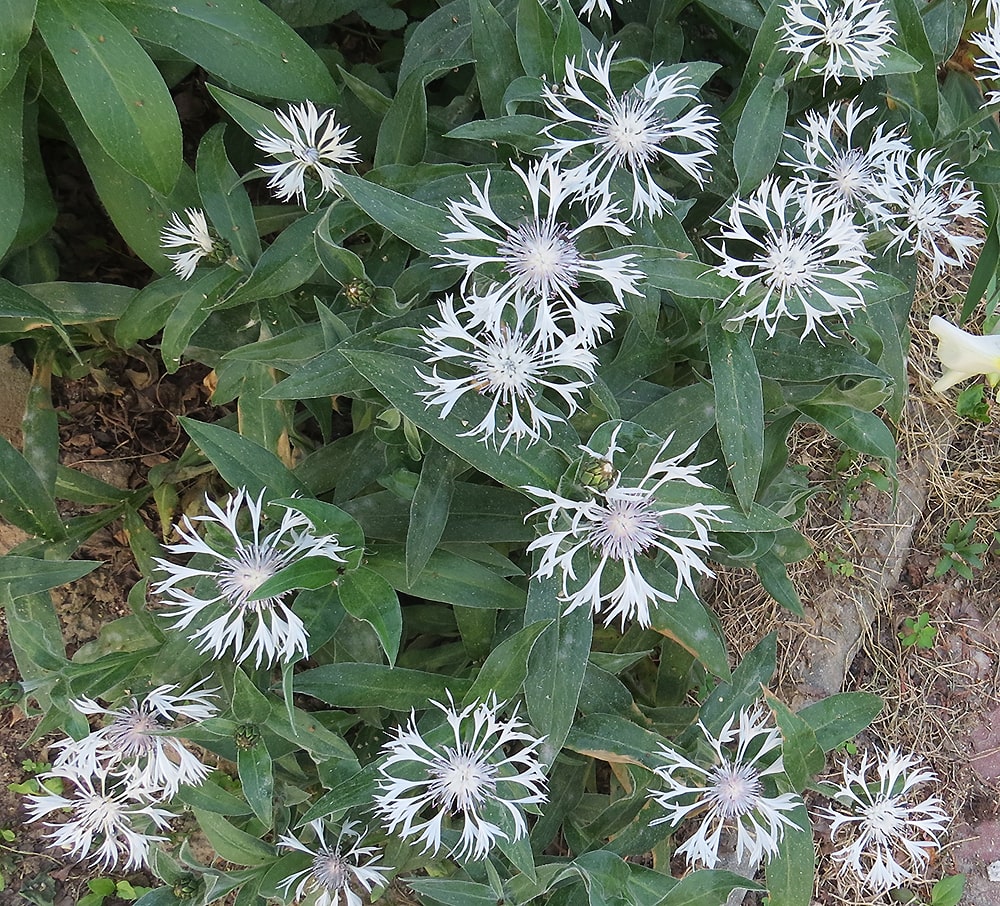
pixel 510 362
pixel 104 809
pixel 886 829
pixel 482 776
pixel 337 868
pixel 988 43
pixel 798 255
pixel 194 236
pixel 840 38
pixel 228 574
pixel 964 355
pixel 312 143
pixel 920 201
pixel 731 794
pixel 538 256
pixel 630 132
pixel 138 744
pixel 837 162
pixel 619 528
pixel 601 6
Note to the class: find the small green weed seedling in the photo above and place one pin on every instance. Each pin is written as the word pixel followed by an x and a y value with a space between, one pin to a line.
pixel 972 404
pixel 947 892
pixel 961 553
pixel 917 632
pixel 836 564
pixel 102 888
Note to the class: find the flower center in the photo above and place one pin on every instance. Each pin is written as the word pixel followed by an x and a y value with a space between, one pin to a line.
pixel 850 173
pixel 100 812
pixel 541 255
pixel 789 262
pixel 508 367
pixel 132 733
pixel 838 32
pixel 735 789
pixel 240 578
pixel 628 526
pixel 628 130
pixel 462 780
pixel 330 869
pixel 883 818
pixel 308 155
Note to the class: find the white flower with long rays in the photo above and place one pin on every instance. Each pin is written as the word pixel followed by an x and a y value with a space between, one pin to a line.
pixel 138 744
pixel 601 6
pixel 732 794
pixel 310 143
pixel 631 132
pixel 538 256
pixel 923 201
pixel 886 828
pixel 620 528
pixel 338 868
pixel 840 38
pixel 193 236
pixel 988 44
pixel 840 163
pixel 964 354
pixel 105 810
pixel 509 363
pixel 481 775
pixel 796 254
pixel 231 569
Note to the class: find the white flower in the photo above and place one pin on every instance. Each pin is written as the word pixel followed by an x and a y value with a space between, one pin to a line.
pixel 731 794
pixel 988 42
pixel 194 236
pixel 798 255
pixel 233 571
pixel 510 362
pixel 336 867
pixel 887 830
pixel 102 809
pixel 840 164
pixel 840 38
pixel 538 256
pixel 921 200
pixel 630 132
pixel 137 743
pixel 601 5
pixel 619 527
pixel 964 355
pixel 313 143
pixel 480 774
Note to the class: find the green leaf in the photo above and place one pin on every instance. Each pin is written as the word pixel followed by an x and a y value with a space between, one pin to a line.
pixel 305 730
pixel 375 685
pixel 535 37
pixel 17 16
pixel 707 888
pixel 759 134
pixel 257 777
pixel 353 789
pixel 369 597
pixel 569 40
pixel 210 797
pixel 24 501
pixel 739 406
pixel 250 705
pixel 35 636
pixel 801 754
pixel 753 672
pixel 448 578
pixel 614 739
pixel 495 50
pixel 446 33
pixel 241 462
pixel 503 672
pixel 231 843
pixel 310 572
pixel 687 277
pixel 205 294
pixel 429 507
pixel 27 575
pixel 688 623
pixel 449 892
pixel 224 198
pixel 839 718
pixel 784 357
pixel 557 664
pixel 116 87
pixel 521 131
pixel 948 891
pixel 11 141
pixel 241 41
pixel 917 90
pixel 790 874
pixel 402 137
pixel 419 224
pixel 859 430
pixel 395 377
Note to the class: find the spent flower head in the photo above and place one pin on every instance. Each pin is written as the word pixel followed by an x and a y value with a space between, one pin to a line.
pixel 103 809
pixel 732 794
pixel 507 360
pixel 884 827
pixel 616 531
pixel 193 236
pixel 338 869
pixel 481 774
pixel 309 143
pixel 539 256
pixel 632 132
pixel 922 201
pixel 139 742
pixel 796 254
pixel 839 38
pixel 231 569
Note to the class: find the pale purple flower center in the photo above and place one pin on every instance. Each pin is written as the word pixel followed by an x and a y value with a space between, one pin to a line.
pixel 132 733
pixel 330 869
pixel 789 262
pixel 628 527
pixel 736 789
pixel 239 579
pixel 461 779
pixel 541 254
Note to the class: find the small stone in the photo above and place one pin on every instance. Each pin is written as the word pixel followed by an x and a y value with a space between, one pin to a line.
pixel 993 871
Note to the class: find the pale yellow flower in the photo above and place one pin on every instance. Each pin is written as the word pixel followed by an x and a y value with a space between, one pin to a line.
pixel 964 355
